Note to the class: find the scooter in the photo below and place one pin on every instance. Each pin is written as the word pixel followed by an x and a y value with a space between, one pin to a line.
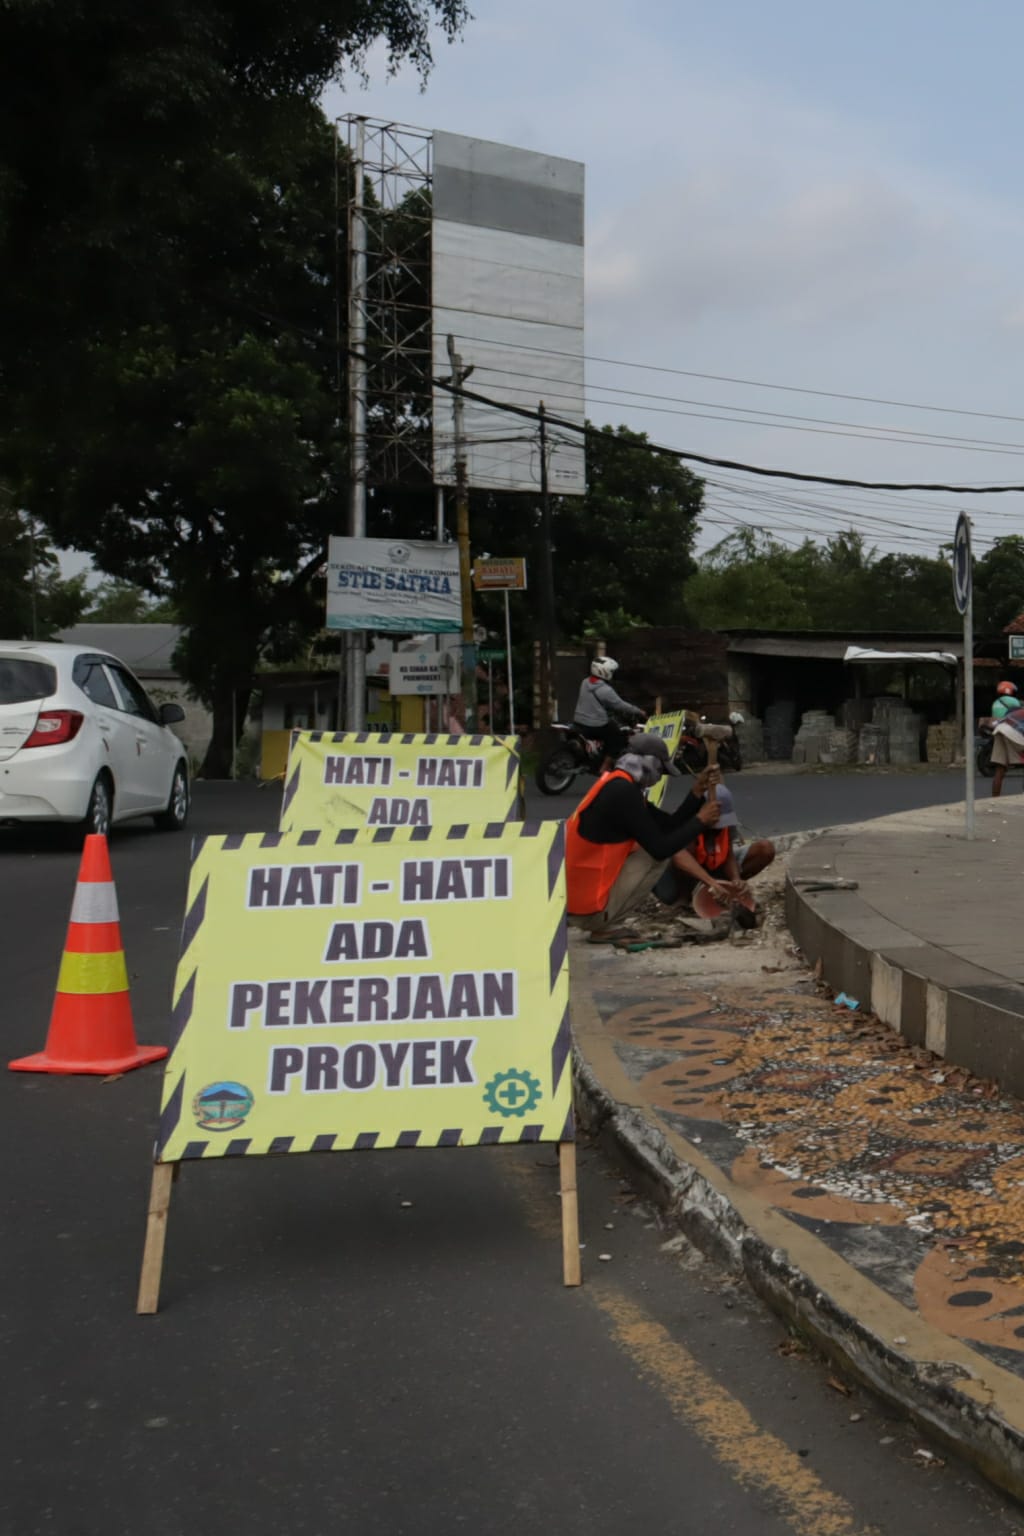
pixel 983 750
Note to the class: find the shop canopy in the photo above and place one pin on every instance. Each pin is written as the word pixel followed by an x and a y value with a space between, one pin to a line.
pixel 943 658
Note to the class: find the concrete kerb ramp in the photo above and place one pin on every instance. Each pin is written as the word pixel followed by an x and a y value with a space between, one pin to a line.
pixel 930 940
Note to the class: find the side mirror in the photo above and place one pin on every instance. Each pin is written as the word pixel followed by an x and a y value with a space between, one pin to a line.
pixel 170 714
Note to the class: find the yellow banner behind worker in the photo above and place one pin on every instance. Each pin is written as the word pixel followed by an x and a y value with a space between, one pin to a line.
pixel 395 988
pixel 669 728
pixel 367 779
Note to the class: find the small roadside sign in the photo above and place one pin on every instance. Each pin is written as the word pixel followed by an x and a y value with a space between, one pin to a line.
pixel 962 563
pixel 500 575
pixel 491 653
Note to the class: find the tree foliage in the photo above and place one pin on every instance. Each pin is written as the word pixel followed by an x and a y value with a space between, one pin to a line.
pixel 168 395
pixel 35 599
pixel 122 602
pixel 751 580
pixel 621 553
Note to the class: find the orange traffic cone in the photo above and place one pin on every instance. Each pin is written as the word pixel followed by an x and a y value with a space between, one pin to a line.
pixel 91 1023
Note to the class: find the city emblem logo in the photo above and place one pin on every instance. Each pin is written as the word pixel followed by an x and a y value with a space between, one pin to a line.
pixel 222 1106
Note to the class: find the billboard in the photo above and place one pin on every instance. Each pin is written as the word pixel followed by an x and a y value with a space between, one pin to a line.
pixel 387 584
pixel 507 273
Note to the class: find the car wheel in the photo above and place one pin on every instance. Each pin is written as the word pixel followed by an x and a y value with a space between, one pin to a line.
pixel 176 814
pixel 99 813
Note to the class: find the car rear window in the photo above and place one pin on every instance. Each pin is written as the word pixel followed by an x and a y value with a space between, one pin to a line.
pixel 22 680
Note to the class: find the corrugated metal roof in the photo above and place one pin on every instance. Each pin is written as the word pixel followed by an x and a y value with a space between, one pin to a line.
pixel 828 648
pixel 145 648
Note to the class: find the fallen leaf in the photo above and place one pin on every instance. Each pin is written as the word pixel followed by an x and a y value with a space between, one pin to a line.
pixel 792 1347
pixel 838 1386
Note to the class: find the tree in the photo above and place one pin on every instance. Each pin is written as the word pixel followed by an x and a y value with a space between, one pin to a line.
pixel 999 584
pixel 167 258
pixel 122 602
pixel 35 600
pixel 626 547
pixel 752 581
pixel 622 552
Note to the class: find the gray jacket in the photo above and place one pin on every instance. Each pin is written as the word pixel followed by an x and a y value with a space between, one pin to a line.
pixel 598 703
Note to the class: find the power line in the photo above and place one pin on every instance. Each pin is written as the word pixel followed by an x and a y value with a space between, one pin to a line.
pixel 724 378
pixel 541 383
pixel 686 455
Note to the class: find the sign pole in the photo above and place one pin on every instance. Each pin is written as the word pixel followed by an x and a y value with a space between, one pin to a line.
pixel 969 714
pixel 357 304
pixel 963 594
pixel 459 376
pixel 508 662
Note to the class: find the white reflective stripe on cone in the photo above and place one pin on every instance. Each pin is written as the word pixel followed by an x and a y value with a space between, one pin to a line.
pixel 95 902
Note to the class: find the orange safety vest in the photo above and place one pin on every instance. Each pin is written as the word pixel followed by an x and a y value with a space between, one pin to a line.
pixel 714 854
pixel 591 869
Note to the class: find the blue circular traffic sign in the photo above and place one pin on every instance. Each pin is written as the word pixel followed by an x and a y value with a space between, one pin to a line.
pixel 962 563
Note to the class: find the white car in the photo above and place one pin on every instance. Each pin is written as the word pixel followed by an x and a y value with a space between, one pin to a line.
pixel 82 743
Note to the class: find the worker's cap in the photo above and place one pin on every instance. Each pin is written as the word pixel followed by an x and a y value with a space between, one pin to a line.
pixel 728 817
pixel 645 744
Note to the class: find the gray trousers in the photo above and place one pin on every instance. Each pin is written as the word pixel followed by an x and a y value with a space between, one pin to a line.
pixel 637 879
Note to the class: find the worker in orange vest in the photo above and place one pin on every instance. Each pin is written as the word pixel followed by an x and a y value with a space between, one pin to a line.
pixel 717 860
pixel 618 845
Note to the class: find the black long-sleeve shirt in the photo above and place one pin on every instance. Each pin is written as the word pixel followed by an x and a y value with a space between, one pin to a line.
pixel 620 814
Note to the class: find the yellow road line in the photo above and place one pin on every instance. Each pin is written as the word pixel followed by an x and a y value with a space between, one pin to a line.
pixel 754 1457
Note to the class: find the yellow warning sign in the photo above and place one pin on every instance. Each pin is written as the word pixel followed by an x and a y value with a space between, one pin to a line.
pixel 669 728
pixel 365 779
pixel 388 988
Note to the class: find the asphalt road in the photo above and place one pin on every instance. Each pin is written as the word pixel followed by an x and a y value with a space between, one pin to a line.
pixel 769 802
pixel 328 1359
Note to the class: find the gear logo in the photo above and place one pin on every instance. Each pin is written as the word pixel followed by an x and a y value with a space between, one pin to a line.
pixel 512 1093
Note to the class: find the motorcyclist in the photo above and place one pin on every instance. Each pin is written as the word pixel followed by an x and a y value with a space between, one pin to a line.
pixel 600 713
pixel 1008 735
pixel 1006 700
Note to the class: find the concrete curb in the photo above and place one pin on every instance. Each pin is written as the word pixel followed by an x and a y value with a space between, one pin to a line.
pixel 970 1016
pixel 972 1407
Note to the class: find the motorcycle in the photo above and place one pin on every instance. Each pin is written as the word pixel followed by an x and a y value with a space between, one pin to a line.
pixel 692 751
pixel 574 753
pixel 983 750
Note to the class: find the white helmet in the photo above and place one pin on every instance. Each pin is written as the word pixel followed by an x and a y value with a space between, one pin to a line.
pixel 604 668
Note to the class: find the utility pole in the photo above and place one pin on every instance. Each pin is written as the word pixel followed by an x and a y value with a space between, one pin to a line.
pixel 355 640
pixel 547 582
pixel 458 378
pixel 35 576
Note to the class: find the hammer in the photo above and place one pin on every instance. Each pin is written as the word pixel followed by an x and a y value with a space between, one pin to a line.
pixel 712 736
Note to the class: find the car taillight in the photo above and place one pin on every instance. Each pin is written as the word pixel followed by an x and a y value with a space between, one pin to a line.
pixel 55 726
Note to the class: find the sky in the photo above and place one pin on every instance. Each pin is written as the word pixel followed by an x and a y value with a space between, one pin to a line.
pixel 802 194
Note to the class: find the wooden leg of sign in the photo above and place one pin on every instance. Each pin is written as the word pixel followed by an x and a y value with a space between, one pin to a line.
pixel 156 1233
pixel 571 1272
